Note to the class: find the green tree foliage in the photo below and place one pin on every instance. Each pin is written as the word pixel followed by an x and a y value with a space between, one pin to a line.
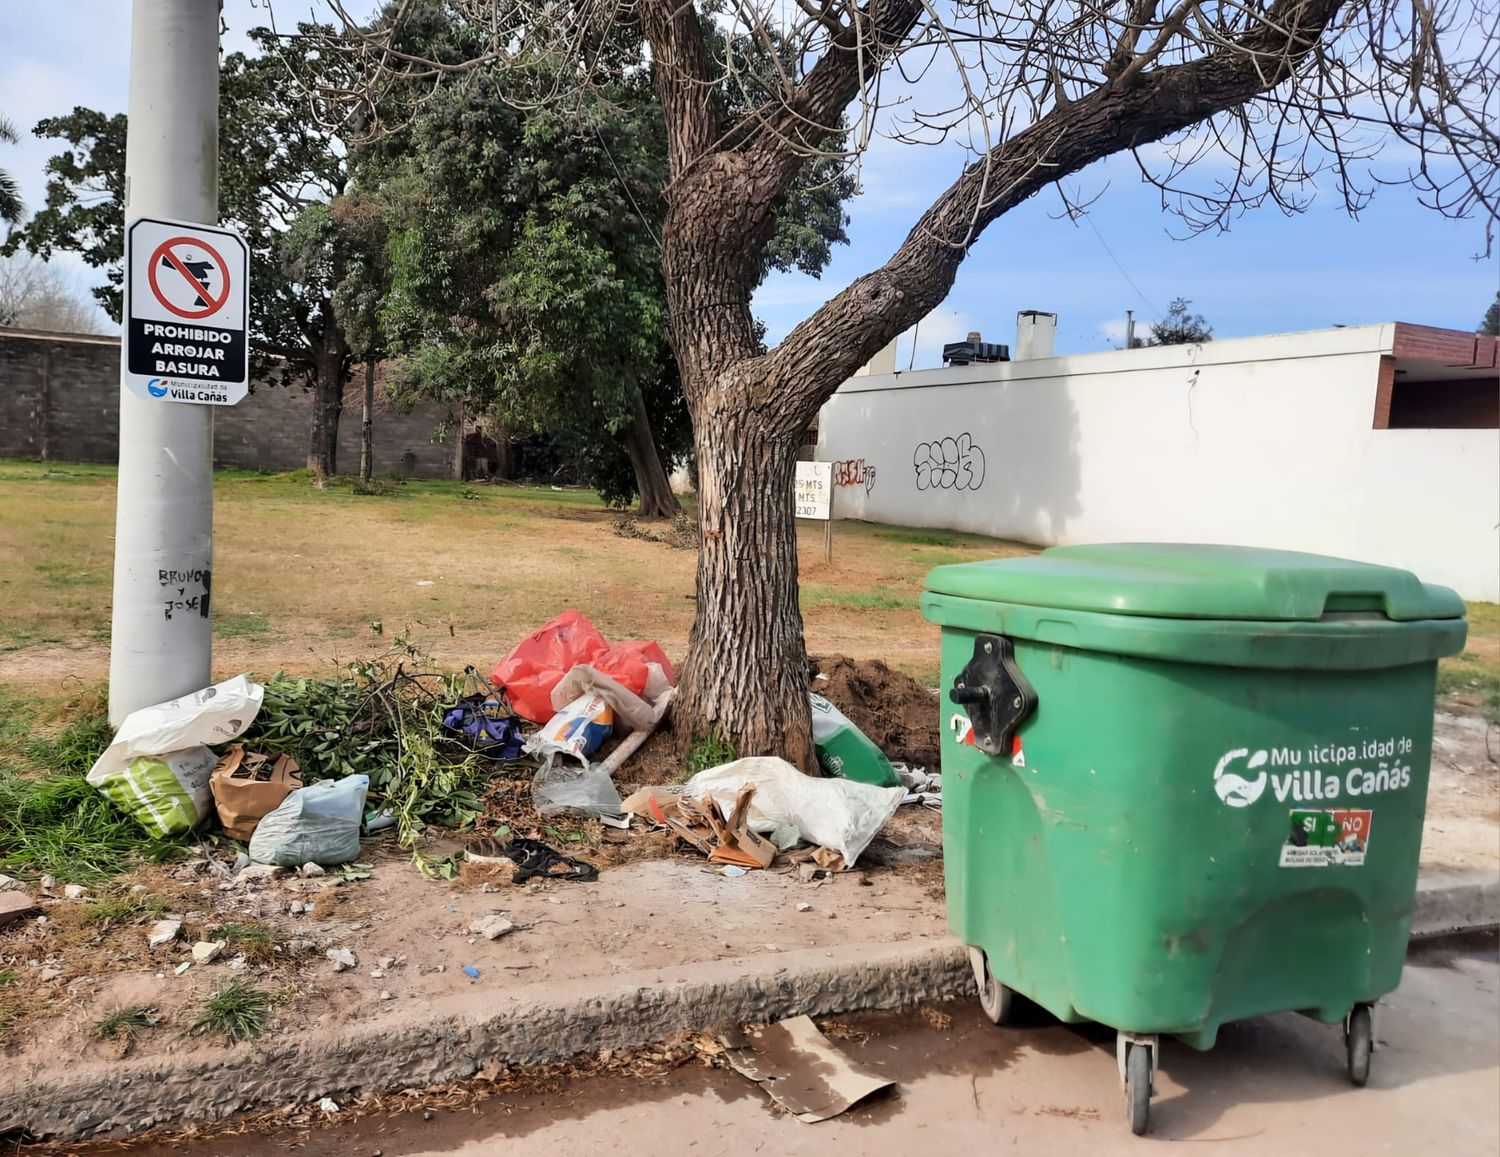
pixel 1490 324
pixel 85 207
pixel 525 278
pixel 1180 327
pixel 11 208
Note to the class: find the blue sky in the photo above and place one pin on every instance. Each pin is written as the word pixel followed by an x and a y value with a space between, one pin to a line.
pixel 1270 273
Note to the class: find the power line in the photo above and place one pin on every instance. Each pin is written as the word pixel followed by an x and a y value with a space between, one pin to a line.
pixel 1138 292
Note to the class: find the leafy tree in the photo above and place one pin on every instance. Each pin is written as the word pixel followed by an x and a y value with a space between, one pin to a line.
pixel 84 211
pixel 1491 321
pixel 525 281
pixel 1180 327
pixel 1037 90
pixel 11 208
pixel 277 189
pixel 526 268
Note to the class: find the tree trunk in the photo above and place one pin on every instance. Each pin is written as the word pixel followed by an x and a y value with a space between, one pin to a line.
pixel 745 677
pixel 328 404
pixel 367 425
pixel 651 481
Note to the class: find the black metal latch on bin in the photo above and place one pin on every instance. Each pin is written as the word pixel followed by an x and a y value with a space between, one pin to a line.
pixel 998 697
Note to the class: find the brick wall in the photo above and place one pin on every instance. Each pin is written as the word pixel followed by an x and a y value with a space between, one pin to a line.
pixel 59 401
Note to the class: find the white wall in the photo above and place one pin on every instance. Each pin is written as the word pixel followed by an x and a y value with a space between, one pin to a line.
pixel 1257 441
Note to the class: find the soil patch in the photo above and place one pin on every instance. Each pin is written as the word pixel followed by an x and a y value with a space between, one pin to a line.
pixel 899 714
pixel 656 761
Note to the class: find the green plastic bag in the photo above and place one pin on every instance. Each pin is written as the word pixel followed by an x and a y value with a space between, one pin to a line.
pixel 846 751
pixel 166 794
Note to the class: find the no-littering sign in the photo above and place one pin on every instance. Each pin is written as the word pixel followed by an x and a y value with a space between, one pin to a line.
pixel 187 313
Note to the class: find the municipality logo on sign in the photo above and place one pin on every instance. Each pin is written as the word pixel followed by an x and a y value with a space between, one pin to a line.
pixel 1324 771
pixel 157 387
pixel 1233 788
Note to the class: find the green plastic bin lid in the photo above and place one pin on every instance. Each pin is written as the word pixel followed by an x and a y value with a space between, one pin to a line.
pixel 1194 581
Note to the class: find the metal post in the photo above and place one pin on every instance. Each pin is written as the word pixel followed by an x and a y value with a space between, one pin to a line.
pixel 828 532
pixel 164 512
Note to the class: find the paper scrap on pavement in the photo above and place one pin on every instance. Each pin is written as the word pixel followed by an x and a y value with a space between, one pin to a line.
pixel 801 1070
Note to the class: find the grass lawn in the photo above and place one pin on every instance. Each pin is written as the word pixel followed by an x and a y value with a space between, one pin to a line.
pixel 300 575
pixel 304 578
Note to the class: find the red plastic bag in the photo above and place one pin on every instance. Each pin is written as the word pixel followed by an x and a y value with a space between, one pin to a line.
pixel 627 663
pixel 540 660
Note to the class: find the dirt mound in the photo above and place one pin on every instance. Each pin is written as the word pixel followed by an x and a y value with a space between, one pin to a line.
pixel 891 707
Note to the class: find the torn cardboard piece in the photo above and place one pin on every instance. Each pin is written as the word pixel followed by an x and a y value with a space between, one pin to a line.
pixel 703 824
pixel 819 857
pixel 800 1069
pixel 691 821
pixel 737 843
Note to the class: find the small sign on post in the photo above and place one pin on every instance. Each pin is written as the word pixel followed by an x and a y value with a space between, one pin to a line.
pixel 187 313
pixel 815 499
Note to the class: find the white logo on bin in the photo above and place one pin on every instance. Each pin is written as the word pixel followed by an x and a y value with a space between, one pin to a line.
pixel 1235 789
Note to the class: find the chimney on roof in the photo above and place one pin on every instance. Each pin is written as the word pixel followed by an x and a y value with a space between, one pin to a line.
pixel 1035 331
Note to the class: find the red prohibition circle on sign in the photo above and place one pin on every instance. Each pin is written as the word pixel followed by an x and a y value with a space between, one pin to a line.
pixel 163 252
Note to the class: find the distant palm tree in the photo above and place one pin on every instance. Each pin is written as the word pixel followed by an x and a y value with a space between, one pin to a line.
pixel 11 208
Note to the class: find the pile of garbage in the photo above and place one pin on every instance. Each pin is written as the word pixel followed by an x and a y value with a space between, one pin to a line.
pixel 162 771
pixel 746 813
pixel 550 706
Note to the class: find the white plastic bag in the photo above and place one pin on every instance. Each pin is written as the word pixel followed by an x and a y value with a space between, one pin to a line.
pixel 837 813
pixel 317 824
pixel 153 769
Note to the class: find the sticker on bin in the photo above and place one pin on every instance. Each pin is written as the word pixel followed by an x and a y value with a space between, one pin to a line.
pixel 1326 838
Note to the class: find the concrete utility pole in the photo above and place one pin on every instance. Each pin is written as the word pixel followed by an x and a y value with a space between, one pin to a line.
pixel 1130 329
pixel 164 517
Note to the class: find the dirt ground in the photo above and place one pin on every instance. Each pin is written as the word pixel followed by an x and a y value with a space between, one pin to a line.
pixel 1462 829
pixel 412 939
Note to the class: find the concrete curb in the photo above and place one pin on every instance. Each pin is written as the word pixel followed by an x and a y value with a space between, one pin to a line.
pixel 1455 901
pixel 449 1040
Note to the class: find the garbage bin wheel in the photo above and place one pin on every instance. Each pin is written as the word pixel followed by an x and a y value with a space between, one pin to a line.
pixel 994 998
pixel 1358 1043
pixel 1138 1087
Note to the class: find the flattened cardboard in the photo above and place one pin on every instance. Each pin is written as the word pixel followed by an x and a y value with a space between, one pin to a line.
pixel 800 1069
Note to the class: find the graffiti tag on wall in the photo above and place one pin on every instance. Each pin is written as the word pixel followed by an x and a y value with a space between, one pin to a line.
pixel 949 464
pixel 854 472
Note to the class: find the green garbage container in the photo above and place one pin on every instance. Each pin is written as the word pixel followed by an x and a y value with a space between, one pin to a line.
pixel 1185 784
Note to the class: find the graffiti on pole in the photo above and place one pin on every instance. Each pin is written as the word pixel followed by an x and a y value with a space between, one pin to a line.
pixel 949 464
